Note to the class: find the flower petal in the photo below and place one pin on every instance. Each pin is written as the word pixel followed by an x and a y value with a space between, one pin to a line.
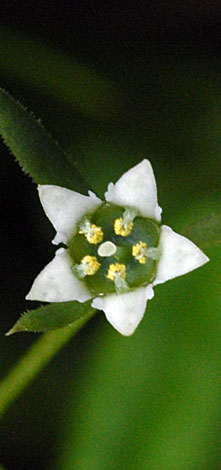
pixel 179 256
pixel 64 208
pixel 136 188
pixel 57 282
pixel 125 311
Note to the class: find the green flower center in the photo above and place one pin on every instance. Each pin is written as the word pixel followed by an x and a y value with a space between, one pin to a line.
pixel 115 250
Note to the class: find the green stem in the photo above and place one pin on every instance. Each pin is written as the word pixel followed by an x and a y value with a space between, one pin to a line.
pixel 35 359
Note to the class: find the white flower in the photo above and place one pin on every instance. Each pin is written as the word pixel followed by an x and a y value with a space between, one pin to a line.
pixel 107 261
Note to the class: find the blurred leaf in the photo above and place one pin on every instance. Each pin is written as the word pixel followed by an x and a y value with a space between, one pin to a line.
pixel 206 231
pixel 52 316
pixel 202 222
pixel 34 148
pixel 150 401
pixel 38 65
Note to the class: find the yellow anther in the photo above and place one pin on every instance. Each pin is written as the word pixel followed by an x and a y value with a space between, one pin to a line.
pixel 117 273
pixel 124 225
pixel 92 232
pixel 97 235
pixel 139 251
pixel 89 265
pixel 122 228
pixel 116 270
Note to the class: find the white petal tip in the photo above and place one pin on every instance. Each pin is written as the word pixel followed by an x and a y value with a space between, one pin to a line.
pixel 179 256
pixel 59 238
pixel 109 193
pixel 149 292
pixel 28 296
pixel 64 208
pixel 97 303
pixel 57 282
pixel 92 195
pixel 136 188
pixel 125 311
pixel 44 187
pixel 206 259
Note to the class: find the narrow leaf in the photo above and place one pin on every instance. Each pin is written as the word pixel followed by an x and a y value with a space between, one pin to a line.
pixel 34 148
pixel 52 316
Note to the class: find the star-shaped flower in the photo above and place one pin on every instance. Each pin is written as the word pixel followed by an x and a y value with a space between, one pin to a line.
pixel 117 250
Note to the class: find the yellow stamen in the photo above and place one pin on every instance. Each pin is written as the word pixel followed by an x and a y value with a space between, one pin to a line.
pixel 92 232
pixel 139 251
pixel 124 225
pixel 116 269
pixel 89 266
pixel 122 229
pixel 117 273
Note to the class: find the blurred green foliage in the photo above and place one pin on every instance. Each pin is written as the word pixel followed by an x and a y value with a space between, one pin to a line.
pixel 53 73
pixel 149 401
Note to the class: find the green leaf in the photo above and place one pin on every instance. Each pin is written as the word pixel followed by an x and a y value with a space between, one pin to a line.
pixel 34 148
pixel 52 316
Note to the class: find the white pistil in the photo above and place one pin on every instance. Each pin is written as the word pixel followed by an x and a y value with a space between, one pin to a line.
pixel 107 249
